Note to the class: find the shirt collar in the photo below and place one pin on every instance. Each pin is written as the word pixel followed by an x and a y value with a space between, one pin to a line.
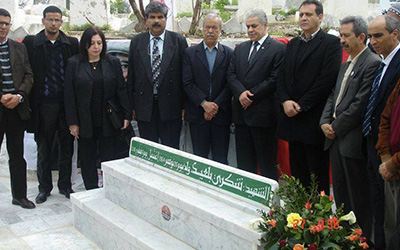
pixel 389 58
pixel 261 41
pixel 162 36
pixel 46 39
pixel 5 41
pixel 303 36
pixel 210 49
pixel 354 60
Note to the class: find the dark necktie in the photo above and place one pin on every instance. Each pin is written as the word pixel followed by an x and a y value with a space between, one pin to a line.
pixel 371 101
pixel 254 52
pixel 155 64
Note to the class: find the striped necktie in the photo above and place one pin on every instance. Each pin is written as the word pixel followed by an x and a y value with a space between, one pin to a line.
pixel 155 64
pixel 366 128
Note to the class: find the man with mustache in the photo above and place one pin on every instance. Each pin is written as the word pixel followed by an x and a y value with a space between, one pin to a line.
pixel 341 122
pixel 208 106
pixel 49 51
pixel 252 77
pixel 155 78
pixel 306 79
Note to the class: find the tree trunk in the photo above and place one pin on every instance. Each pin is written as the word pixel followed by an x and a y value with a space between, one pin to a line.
pixel 196 17
pixel 139 12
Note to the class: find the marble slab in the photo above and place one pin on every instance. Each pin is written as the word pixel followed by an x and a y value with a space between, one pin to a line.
pixel 112 227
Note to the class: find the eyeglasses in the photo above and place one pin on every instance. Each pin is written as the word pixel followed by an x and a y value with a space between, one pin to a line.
pixel 5 24
pixel 211 27
pixel 51 20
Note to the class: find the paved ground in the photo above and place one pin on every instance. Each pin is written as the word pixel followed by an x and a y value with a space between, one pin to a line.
pixel 48 226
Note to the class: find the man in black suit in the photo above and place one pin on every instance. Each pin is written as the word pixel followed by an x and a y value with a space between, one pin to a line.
pixel 341 121
pixel 306 79
pixel 155 78
pixel 252 78
pixel 383 32
pixel 49 51
pixel 16 81
pixel 208 106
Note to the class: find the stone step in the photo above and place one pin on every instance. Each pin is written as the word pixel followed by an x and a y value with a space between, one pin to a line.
pixel 112 227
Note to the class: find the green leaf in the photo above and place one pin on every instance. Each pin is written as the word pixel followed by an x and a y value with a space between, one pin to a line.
pixel 273 245
pixel 280 227
pixel 308 237
pixel 328 245
pixel 318 206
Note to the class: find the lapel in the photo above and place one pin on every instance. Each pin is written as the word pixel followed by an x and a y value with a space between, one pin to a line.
pixel 168 53
pixel 13 56
pixel 145 54
pixel 264 47
pixel 86 67
pixel 339 81
pixel 201 55
pixel 220 57
pixel 104 68
pixel 312 47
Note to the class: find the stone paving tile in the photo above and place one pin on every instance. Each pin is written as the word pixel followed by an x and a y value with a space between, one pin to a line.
pixel 10 218
pixel 30 227
pixel 60 220
pixel 38 212
pixel 8 240
pixel 60 208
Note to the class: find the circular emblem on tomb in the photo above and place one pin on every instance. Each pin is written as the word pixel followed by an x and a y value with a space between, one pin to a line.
pixel 166 213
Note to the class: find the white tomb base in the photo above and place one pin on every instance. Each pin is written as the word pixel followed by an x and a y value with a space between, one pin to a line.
pixel 162 198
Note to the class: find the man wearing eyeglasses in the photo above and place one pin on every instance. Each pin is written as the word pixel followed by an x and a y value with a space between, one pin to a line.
pixel 49 51
pixel 16 81
pixel 208 106
pixel 155 78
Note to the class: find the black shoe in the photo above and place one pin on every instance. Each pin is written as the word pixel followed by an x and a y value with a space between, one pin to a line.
pixel 66 192
pixel 41 197
pixel 24 203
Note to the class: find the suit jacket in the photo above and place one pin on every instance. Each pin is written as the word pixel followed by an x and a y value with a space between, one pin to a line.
pixel 78 93
pixel 350 109
pixel 259 77
pixel 388 82
pixel 22 77
pixel 197 81
pixel 140 86
pixel 37 56
pixel 308 83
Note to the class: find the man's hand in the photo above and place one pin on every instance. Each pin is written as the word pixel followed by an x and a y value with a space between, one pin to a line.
pixel 207 116
pixel 385 173
pixel 291 108
pixel 245 100
pixel 133 115
pixel 126 124
pixel 210 108
pixel 74 130
pixel 328 131
pixel 10 101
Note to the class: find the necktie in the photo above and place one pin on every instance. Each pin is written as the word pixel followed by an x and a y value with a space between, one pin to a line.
pixel 155 64
pixel 254 52
pixel 371 101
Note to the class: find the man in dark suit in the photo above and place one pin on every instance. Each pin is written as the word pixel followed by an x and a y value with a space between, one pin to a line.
pixel 252 78
pixel 208 106
pixel 383 32
pixel 341 121
pixel 49 51
pixel 16 81
pixel 306 79
pixel 155 78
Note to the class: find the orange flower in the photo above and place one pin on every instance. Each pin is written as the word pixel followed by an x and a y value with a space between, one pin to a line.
pixel 272 222
pixel 363 239
pixel 364 245
pixel 308 206
pixel 353 237
pixel 298 247
pixel 313 229
pixel 358 231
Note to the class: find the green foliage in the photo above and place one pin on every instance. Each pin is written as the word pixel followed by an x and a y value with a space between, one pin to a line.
pixel 184 14
pixel 80 27
pixel 105 27
pixel 281 12
pixel 225 16
pixel 65 27
pixel 119 6
pixel 219 4
pixel 132 16
pixel 292 11
pixel 235 2
pixel 205 6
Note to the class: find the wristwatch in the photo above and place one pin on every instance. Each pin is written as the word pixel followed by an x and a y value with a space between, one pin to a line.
pixel 21 98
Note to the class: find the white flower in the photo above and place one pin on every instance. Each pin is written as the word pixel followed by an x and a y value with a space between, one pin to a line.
pixel 253 224
pixel 350 217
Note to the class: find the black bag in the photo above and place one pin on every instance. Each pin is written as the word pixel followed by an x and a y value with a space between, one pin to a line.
pixel 115 113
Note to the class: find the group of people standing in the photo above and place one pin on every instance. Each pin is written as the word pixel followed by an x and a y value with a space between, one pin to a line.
pixel 300 93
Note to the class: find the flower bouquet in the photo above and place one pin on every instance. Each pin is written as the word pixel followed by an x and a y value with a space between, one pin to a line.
pixel 307 221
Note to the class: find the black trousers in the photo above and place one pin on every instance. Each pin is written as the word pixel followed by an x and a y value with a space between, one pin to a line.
pixel 256 145
pixel 52 120
pixel 349 176
pixel 12 125
pixel 168 132
pixel 377 188
pixel 107 147
pixel 310 158
pixel 212 136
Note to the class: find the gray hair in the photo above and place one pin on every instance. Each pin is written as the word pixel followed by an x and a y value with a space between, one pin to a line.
pixel 213 15
pixel 391 23
pixel 156 7
pixel 359 25
pixel 262 17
